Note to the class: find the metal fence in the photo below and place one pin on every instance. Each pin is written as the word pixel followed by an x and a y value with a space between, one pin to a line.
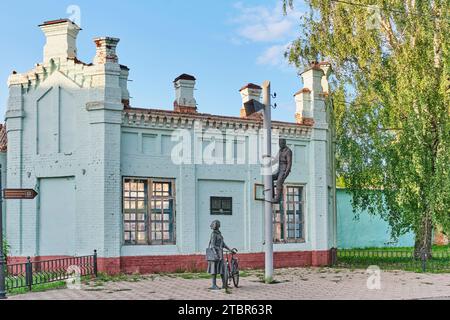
pixel 32 273
pixel 438 262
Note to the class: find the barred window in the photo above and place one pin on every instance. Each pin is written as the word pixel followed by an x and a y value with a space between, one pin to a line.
pixel 149 212
pixel 221 206
pixel 289 216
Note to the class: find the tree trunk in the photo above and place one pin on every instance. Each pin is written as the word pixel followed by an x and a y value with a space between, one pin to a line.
pixel 424 239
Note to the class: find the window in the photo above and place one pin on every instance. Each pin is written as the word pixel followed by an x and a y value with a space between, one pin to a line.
pixel 289 216
pixel 135 211
pixel 221 206
pixel 162 220
pixel 149 212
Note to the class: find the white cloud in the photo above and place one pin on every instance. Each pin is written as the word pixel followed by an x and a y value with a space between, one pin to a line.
pixel 265 24
pixel 274 56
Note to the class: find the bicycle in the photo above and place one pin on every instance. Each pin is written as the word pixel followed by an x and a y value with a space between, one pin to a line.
pixel 231 269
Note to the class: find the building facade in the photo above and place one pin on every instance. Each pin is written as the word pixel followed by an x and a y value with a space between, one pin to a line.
pixel 142 186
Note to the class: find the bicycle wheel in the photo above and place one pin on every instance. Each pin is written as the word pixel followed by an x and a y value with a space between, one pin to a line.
pixel 235 273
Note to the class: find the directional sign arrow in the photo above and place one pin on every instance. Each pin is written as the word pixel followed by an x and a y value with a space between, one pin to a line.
pixel 19 194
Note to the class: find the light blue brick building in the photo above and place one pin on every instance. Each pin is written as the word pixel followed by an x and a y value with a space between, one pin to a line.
pixel 142 186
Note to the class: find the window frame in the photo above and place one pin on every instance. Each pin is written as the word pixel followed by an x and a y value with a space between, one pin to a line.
pixel 222 199
pixel 284 219
pixel 133 211
pixel 149 198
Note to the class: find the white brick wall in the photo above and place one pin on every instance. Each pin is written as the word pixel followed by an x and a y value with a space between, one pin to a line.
pixel 98 165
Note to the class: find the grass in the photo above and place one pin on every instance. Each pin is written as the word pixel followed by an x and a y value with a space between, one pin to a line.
pixel 62 284
pixel 195 275
pixel 244 274
pixel 39 288
pixel 97 284
pixel 103 278
pixel 388 249
pixel 394 259
pixel 191 276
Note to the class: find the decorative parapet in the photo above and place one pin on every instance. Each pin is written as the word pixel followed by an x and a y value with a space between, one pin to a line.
pixel 153 118
pixel 77 71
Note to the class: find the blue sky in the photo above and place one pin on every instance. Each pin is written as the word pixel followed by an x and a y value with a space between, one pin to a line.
pixel 224 44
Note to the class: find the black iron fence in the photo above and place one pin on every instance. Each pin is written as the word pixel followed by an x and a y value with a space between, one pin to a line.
pixel 33 273
pixel 387 259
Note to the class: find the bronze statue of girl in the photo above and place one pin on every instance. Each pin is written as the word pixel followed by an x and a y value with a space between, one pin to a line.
pixel 218 266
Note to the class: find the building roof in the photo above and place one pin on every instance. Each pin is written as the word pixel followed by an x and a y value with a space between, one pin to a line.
pixel 250 86
pixel 185 76
pixel 77 61
pixel 304 90
pixel 58 21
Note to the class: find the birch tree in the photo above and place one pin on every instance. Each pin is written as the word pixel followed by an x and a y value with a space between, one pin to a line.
pixel 391 99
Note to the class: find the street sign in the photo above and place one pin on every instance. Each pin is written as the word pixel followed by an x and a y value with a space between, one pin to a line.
pixel 19 194
pixel 252 107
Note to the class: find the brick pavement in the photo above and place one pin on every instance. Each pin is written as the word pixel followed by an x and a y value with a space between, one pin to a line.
pixel 294 284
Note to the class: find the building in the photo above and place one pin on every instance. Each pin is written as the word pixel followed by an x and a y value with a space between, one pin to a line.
pixel 110 176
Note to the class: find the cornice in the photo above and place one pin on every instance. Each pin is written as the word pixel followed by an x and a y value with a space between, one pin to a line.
pixel 160 119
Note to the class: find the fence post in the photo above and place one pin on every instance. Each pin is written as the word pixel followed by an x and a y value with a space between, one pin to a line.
pixel 29 274
pixel 333 257
pixel 3 273
pixel 95 263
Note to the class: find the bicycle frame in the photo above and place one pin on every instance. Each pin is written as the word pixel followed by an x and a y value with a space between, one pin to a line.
pixel 228 253
pixel 229 263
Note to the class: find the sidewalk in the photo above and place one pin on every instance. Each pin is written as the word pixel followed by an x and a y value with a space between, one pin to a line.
pixel 294 284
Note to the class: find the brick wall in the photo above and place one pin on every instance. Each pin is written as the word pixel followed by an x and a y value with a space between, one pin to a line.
pixel 153 264
pixel 196 263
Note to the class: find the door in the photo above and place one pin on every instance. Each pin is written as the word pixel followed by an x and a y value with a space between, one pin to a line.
pixel 57 217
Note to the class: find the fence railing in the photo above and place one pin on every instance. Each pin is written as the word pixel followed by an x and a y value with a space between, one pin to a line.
pixel 32 273
pixel 438 262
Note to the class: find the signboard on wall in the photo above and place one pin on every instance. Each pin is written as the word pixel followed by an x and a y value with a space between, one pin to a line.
pixel 19 194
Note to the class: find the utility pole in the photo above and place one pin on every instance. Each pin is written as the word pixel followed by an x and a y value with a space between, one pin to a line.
pixel 2 254
pixel 268 183
pixel 252 107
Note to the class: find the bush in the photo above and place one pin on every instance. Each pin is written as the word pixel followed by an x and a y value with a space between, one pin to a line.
pixel 5 248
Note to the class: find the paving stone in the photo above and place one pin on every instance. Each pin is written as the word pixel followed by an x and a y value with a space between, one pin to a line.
pixel 294 284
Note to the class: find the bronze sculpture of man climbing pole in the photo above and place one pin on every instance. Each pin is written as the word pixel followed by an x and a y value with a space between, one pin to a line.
pixel 284 158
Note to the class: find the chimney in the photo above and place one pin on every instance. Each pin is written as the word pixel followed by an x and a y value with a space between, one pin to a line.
pixel 106 50
pixel 326 68
pixel 303 103
pixel 184 92
pixel 310 101
pixel 61 39
pixel 250 92
pixel 123 82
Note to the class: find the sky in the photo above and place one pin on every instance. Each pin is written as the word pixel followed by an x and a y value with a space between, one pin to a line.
pixel 224 44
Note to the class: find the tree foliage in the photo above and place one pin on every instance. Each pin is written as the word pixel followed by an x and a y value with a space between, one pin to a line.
pixel 5 248
pixel 391 62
